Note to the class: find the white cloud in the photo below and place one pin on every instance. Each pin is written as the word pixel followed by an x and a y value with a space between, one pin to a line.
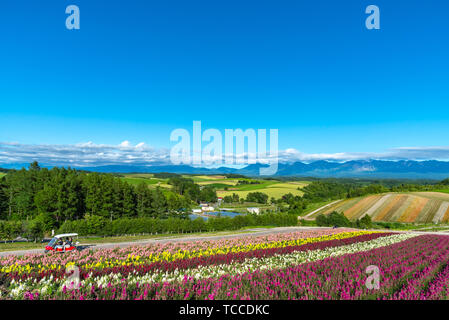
pixel 125 144
pixel 91 154
pixel 402 153
pixel 82 154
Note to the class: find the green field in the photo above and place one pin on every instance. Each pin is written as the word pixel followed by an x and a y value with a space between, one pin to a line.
pixel 137 178
pixel 2 174
pixel 203 178
pixel 229 182
pixel 443 191
pixel 275 189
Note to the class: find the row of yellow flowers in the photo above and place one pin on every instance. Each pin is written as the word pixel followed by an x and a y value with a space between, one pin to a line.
pixel 181 254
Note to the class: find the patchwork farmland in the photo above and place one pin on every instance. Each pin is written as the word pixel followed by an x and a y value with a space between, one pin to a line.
pixel 275 189
pixel 418 207
pixel 226 186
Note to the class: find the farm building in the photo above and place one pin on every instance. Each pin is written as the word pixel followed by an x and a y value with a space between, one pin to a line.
pixel 253 210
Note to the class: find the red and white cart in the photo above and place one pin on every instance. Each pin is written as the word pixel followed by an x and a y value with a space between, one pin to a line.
pixel 63 243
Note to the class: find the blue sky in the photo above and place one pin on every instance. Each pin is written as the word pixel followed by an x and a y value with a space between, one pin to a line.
pixel 136 70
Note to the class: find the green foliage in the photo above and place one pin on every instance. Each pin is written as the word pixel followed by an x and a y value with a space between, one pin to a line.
pixel 33 230
pixel 165 175
pixel 244 182
pixel 307 223
pixel 390 225
pixel 258 197
pixel 322 191
pixel 326 190
pixel 334 219
pixel 60 194
pixel 125 226
pixel 11 229
pixel 95 224
pixel 47 220
pixel 232 199
pixel 208 194
pixel 364 223
pixel 188 188
pixel 296 204
pixel 321 220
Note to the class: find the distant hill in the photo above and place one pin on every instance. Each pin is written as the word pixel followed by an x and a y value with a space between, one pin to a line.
pixel 404 169
pixel 421 207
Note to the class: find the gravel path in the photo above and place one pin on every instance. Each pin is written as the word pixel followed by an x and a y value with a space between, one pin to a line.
pixel 307 216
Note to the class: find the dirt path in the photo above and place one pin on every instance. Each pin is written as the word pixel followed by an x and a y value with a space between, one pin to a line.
pixel 307 216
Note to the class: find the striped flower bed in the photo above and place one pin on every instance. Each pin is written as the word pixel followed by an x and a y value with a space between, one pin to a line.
pixel 329 264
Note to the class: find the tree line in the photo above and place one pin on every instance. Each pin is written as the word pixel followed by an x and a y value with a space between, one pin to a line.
pixel 59 194
pixel 97 225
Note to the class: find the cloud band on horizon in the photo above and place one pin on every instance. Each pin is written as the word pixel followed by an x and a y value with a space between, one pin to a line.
pixel 92 155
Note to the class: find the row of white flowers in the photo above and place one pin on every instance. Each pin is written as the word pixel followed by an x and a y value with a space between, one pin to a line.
pixel 50 285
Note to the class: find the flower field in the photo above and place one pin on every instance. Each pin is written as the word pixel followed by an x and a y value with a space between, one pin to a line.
pixel 419 207
pixel 320 264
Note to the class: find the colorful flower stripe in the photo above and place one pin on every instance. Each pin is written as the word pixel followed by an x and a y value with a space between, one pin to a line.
pixel 164 267
pixel 112 280
pixel 135 260
pixel 87 256
pixel 341 277
pixel 439 288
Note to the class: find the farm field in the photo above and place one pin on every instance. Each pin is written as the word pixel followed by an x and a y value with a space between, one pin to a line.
pixel 226 186
pixel 148 179
pixel 413 207
pixel 311 264
pixel 275 189
pixel 2 174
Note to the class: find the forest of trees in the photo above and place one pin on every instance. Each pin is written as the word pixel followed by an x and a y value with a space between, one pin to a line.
pixel 60 194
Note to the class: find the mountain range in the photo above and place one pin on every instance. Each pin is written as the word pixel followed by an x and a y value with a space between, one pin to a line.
pixel 405 169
